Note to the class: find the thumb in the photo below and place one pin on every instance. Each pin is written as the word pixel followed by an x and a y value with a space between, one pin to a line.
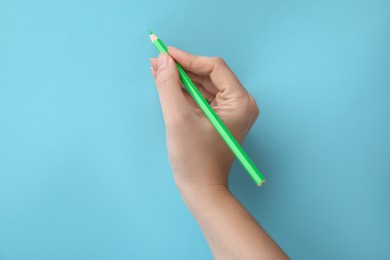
pixel 170 92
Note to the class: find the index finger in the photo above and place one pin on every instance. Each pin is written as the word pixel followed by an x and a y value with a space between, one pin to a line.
pixel 220 73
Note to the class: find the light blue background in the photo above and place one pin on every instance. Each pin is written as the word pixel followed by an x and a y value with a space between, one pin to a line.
pixel 83 165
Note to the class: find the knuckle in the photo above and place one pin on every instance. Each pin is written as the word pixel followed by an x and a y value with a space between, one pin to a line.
pixel 254 108
pixel 219 60
pixel 257 112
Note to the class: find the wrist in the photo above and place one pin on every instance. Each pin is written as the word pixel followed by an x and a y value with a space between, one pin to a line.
pixel 205 181
pixel 200 175
pixel 203 201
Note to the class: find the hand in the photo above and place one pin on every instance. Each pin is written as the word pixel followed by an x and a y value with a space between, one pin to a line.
pixel 198 155
pixel 201 160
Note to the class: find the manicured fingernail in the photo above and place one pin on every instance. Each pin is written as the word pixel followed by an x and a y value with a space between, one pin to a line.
pixel 162 60
pixel 153 72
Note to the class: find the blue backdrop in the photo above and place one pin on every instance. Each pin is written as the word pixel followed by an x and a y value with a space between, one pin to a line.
pixel 83 164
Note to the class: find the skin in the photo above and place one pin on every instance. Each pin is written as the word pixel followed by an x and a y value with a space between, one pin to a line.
pixel 200 159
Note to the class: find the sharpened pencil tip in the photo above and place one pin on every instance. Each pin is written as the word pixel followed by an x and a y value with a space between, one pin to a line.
pixel 152 36
pixel 150 32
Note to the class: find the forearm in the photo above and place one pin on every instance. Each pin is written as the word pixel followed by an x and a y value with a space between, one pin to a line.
pixel 231 231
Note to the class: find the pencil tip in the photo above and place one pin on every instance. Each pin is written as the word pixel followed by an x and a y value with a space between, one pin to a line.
pixel 152 36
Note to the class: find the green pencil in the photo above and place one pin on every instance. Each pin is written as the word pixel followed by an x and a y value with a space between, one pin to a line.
pixel 213 117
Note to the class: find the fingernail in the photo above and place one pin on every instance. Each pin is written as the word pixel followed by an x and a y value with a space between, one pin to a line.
pixel 153 72
pixel 162 60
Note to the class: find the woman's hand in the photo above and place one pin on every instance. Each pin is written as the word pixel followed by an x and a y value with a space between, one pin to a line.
pixel 198 155
pixel 201 160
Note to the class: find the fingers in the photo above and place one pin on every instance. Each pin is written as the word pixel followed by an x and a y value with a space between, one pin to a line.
pixel 154 63
pixel 173 102
pixel 205 81
pixel 205 86
pixel 153 68
pixel 219 72
pixel 154 72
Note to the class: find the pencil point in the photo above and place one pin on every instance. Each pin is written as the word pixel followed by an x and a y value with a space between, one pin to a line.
pixel 153 37
pixel 150 32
